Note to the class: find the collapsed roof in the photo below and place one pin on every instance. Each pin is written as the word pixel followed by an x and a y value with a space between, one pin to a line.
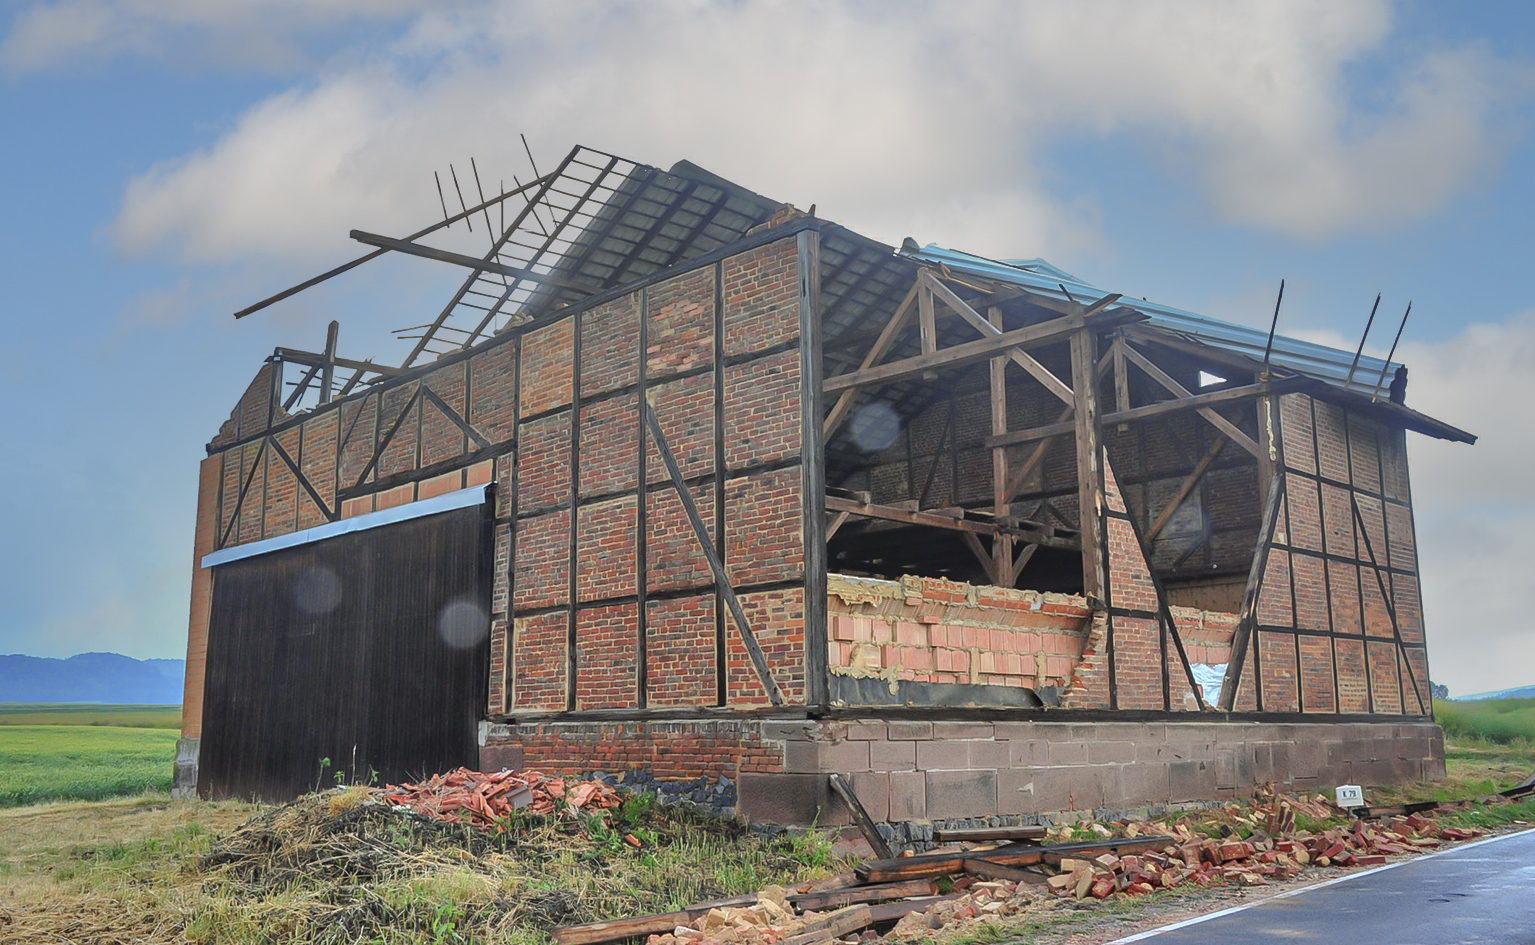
pixel 598 222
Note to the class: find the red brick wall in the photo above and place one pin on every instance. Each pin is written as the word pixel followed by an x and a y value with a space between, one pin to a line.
pixel 932 630
pixel 1328 641
pixel 669 750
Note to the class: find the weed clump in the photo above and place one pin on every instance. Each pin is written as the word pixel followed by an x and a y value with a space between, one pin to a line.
pixel 345 866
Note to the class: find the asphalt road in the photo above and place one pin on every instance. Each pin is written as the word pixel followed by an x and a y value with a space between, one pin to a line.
pixel 1480 894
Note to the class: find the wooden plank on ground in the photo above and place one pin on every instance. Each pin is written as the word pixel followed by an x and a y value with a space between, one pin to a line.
pixel 851 895
pixel 986 869
pixel 1016 854
pixel 980 834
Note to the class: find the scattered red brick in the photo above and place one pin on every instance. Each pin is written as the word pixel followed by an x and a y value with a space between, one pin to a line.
pixel 486 799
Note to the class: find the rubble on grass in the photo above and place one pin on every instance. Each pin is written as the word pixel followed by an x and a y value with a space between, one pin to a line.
pixel 487 799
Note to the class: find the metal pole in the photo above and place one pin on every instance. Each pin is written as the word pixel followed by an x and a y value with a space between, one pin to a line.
pixel 1349 381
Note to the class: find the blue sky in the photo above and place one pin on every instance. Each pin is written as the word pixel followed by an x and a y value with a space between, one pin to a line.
pixel 165 163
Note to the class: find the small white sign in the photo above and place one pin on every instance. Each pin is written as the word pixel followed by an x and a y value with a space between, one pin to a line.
pixel 1350 795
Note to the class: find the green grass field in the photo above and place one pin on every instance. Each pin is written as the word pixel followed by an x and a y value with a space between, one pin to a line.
pixel 60 713
pixel 1504 721
pixel 84 752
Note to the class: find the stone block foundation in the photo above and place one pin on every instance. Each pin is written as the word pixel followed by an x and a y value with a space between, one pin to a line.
pixel 924 772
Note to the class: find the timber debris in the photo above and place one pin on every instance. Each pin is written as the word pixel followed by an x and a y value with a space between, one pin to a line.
pixel 994 873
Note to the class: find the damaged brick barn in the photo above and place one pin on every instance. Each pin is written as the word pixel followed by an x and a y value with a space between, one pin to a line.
pixel 687 486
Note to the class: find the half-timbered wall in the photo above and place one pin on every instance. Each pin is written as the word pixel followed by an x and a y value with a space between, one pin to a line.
pixel 1339 619
pixel 603 594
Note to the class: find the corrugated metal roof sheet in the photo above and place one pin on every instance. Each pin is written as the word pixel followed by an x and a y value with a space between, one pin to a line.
pixel 1305 357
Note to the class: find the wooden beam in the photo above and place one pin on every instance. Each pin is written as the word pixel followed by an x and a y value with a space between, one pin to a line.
pixel 988 563
pixel 1043 534
pixel 711 552
pixel 315 358
pixel 927 322
pixel 1038 456
pixel 1002 545
pixel 536 182
pixel 837 522
pixel 882 346
pixel 991 328
pixel 468 262
pixel 1242 638
pixel 1084 379
pixel 1158 409
pixel 1184 489
pixel 1166 380
pixel 861 817
pixel 1021 562
pixel 328 377
pixel 1042 333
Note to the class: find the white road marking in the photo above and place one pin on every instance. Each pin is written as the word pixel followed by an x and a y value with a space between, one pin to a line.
pixel 1141 936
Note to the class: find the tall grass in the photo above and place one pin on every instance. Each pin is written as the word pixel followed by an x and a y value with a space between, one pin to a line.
pixel 82 762
pixel 1504 721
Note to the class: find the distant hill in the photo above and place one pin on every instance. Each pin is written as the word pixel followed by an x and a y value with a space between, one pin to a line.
pixel 91 677
pixel 1523 692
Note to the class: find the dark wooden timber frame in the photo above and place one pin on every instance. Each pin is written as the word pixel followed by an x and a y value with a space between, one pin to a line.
pixel 1368 560
pixel 1103 341
pixel 1106 344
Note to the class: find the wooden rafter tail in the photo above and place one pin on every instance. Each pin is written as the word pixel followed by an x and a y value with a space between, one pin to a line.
pixel 716 565
pixel 1241 640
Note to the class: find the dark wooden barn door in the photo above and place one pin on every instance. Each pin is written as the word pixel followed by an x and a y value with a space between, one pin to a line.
pixel 368 649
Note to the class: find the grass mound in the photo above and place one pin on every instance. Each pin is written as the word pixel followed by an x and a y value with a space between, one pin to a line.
pixel 343 866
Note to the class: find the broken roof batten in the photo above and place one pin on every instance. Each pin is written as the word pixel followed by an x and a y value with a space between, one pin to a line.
pixel 613 222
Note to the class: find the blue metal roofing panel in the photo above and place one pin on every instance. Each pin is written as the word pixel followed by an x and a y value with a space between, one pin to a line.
pixel 1305 357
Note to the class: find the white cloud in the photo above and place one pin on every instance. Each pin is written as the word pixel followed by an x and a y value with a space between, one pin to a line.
pixel 912 119
pixel 1475 515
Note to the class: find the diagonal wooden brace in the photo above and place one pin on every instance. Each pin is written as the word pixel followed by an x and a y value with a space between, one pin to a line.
pixel 717 566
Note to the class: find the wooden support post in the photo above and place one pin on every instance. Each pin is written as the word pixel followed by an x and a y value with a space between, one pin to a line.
pixel 1084 382
pixel 1038 456
pixel 1247 620
pixel 1002 545
pixel 1121 381
pixel 328 376
pixel 1268 455
pixel 927 322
